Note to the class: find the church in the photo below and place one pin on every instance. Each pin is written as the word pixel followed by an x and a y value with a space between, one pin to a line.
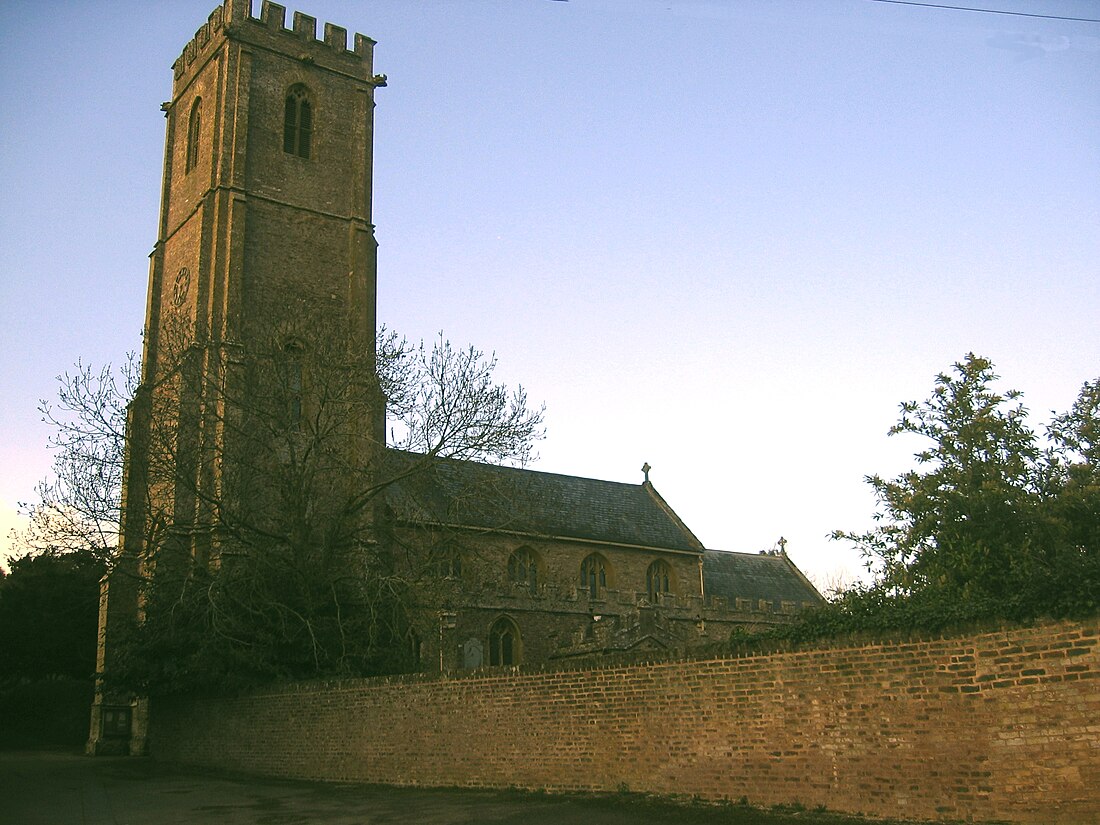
pixel 260 338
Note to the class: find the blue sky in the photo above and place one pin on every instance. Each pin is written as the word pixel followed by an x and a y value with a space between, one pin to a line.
pixel 726 238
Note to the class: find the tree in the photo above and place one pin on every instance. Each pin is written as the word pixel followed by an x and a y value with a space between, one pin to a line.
pixel 445 403
pixel 49 608
pixel 992 521
pixel 281 566
pixel 1072 503
pixel 78 504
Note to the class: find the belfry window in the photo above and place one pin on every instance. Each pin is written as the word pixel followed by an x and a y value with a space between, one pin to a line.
pixel 523 569
pixel 298 122
pixel 504 643
pixel 194 134
pixel 658 579
pixel 594 575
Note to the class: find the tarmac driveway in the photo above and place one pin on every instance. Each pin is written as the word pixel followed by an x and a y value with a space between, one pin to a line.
pixel 51 788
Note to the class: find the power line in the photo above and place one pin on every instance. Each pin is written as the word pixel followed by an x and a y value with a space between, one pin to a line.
pixel 988 11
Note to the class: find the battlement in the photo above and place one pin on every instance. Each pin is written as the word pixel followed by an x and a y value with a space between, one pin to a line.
pixel 273 17
pixel 235 16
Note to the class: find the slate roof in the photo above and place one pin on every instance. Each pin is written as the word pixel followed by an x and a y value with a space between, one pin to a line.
pixel 488 497
pixel 754 576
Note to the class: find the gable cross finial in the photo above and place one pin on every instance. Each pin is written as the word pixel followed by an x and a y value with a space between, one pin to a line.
pixel 645 469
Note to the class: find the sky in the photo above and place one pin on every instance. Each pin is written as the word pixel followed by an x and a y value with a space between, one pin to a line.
pixel 724 238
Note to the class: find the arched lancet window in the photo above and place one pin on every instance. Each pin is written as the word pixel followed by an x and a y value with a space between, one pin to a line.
pixel 412 642
pixel 194 133
pixel 445 561
pixel 658 579
pixel 298 122
pixel 523 568
pixel 294 383
pixel 504 642
pixel 594 574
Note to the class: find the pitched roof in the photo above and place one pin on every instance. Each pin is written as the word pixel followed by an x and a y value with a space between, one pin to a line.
pixel 512 500
pixel 754 576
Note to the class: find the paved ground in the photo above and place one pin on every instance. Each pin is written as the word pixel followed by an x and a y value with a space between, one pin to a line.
pixel 50 788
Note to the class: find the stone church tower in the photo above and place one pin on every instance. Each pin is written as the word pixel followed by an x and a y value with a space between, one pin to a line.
pixel 265 256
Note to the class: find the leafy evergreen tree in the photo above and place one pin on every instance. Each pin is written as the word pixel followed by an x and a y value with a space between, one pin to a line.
pixel 995 522
pixel 992 522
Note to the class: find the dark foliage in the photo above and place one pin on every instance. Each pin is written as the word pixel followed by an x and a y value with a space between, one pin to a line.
pixel 45 713
pixel 257 621
pixel 49 609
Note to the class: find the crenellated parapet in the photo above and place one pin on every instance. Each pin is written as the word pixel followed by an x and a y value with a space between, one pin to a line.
pixel 233 20
pixel 335 40
pixel 209 33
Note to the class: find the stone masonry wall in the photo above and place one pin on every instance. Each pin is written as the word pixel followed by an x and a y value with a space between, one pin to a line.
pixel 1002 725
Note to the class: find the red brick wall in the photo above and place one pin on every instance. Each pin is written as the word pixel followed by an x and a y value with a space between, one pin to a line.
pixel 1002 725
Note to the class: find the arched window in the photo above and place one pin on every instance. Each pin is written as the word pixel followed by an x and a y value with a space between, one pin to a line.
pixel 412 643
pixel 523 569
pixel 297 122
pixel 294 383
pixel 445 561
pixel 194 133
pixel 594 575
pixel 658 579
pixel 504 642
